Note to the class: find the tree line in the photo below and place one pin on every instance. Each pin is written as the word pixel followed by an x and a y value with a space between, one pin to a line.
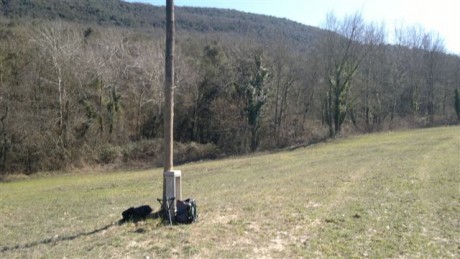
pixel 73 95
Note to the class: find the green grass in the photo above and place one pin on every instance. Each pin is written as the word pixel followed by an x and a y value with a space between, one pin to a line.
pixel 379 196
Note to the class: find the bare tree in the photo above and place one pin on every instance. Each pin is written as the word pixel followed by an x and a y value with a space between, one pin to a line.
pixel 58 43
pixel 283 80
pixel 373 78
pixel 144 77
pixel 433 47
pixel 4 145
pixel 344 51
pixel 399 58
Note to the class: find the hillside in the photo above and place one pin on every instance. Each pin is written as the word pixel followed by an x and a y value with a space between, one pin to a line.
pixel 137 15
pixel 379 196
pixel 81 83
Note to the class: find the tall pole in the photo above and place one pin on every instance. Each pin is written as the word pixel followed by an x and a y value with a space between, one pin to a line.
pixel 169 92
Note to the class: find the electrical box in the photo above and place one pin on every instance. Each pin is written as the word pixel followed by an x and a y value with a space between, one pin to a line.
pixel 173 187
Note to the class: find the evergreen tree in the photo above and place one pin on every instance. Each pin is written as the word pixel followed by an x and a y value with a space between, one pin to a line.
pixel 457 103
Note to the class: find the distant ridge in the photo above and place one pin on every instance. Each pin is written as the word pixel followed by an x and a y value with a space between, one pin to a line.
pixel 138 15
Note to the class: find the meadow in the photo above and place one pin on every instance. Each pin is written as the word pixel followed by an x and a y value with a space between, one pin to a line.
pixel 386 195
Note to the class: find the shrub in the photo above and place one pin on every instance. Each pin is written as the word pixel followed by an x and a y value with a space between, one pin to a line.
pixel 193 151
pixel 109 154
pixel 143 150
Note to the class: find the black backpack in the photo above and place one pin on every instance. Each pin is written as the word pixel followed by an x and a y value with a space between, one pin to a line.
pixel 186 211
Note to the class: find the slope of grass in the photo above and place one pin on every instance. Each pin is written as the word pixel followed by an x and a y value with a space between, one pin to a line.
pixel 383 195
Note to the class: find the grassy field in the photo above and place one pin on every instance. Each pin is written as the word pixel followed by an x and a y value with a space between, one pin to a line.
pixel 383 195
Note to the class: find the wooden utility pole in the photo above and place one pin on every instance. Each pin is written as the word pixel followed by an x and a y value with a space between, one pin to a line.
pixel 169 92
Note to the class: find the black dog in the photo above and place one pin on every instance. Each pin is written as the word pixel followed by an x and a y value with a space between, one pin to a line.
pixel 136 214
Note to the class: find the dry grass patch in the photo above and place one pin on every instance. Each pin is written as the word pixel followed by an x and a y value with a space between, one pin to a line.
pixel 382 195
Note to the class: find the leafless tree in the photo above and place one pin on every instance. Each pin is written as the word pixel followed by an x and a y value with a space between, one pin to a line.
pixel 283 80
pixel 344 52
pixel 433 47
pixel 58 43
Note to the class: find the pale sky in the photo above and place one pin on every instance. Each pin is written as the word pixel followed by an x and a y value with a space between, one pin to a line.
pixel 441 16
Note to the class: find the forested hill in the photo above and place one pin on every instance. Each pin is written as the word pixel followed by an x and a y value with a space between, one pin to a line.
pixel 138 15
pixel 81 83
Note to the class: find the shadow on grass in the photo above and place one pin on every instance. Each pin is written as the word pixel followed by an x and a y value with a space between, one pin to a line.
pixel 58 239
pixel 55 240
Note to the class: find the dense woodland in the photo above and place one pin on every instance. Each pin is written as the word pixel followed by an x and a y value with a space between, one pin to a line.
pixel 81 83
